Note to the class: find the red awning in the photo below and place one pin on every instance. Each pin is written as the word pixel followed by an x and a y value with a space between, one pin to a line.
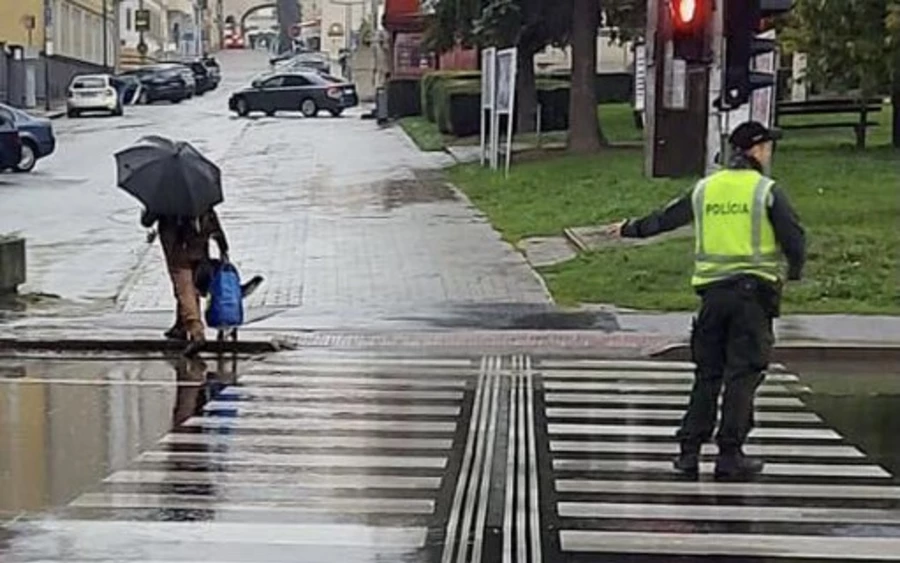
pixel 403 15
pixel 397 7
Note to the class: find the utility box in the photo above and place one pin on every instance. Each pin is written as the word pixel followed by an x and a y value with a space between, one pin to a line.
pixel 12 263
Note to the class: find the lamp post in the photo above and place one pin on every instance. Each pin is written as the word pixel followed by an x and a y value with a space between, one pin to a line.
pixel 105 36
pixel 48 46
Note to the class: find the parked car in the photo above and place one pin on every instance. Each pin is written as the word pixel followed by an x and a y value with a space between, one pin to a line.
pixel 129 87
pixel 300 62
pixel 307 92
pixel 36 136
pixel 160 82
pixel 204 80
pixel 93 92
pixel 186 74
pixel 212 65
pixel 10 143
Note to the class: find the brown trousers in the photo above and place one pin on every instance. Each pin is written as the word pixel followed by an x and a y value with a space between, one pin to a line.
pixel 181 266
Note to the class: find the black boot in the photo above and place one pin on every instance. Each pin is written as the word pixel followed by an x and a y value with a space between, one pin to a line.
pixel 688 462
pixel 736 467
pixel 177 332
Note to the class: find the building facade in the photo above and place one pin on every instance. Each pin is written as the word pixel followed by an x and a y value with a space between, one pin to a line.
pixel 78 30
pixel 156 38
pixel 44 43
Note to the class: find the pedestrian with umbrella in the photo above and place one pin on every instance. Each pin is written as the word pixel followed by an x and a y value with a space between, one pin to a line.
pixel 179 188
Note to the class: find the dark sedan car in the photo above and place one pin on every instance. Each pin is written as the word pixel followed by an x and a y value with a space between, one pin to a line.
pixel 161 82
pixel 307 92
pixel 36 136
pixel 204 79
pixel 10 144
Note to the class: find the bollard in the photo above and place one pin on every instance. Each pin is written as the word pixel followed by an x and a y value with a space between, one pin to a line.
pixel 12 263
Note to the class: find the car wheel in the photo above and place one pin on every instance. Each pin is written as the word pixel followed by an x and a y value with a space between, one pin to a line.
pixel 309 108
pixel 270 112
pixel 177 100
pixel 242 107
pixel 118 112
pixel 335 112
pixel 29 158
pixel 71 113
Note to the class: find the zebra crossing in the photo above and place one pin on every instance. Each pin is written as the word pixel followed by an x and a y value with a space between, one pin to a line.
pixel 305 458
pixel 324 456
pixel 610 438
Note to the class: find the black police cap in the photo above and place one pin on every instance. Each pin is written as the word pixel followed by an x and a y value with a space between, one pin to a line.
pixel 752 133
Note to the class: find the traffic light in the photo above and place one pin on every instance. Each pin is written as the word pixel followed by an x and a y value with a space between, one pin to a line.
pixel 743 21
pixel 690 29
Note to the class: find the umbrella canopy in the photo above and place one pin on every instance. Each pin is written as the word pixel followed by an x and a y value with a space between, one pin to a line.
pixel 169 177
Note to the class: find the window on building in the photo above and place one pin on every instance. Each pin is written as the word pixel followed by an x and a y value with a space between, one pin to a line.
pixel 127 19
pixel 65 31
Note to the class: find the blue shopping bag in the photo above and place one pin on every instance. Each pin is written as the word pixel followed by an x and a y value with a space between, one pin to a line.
pixel 226 308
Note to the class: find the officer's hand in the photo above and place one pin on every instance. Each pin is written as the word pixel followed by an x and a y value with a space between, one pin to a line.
pixel 614 230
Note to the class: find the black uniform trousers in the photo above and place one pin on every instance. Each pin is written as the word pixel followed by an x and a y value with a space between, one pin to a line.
pixel 731 344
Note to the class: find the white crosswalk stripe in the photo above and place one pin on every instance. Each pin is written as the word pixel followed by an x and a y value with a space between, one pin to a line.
pixel 611 431
pixel 343 457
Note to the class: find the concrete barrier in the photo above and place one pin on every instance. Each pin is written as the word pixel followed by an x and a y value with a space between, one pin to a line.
pixel 12 263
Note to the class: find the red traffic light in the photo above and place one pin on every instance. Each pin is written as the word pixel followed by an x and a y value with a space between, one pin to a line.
pixel 684 12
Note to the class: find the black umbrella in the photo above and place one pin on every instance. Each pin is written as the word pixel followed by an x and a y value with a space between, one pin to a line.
pixel 169 177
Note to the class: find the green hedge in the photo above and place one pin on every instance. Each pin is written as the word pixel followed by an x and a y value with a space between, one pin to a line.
pixel 432 79
pixel 457 105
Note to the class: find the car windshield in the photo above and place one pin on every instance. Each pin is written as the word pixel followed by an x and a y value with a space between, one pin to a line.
pixel 90 82
pixel 18 116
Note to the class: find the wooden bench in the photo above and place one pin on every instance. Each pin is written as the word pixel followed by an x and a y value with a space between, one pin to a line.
pixel 861 108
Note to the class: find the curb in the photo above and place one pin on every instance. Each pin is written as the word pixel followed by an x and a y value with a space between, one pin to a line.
pixel 134 345
pixel 805 352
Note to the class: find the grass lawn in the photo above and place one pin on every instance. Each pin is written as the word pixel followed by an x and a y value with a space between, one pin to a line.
pixel 848 200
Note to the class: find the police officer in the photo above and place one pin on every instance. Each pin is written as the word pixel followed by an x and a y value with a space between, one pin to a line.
pixel 741 220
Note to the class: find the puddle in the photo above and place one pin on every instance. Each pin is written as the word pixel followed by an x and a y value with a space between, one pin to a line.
pixel 66 424
pixel 861 401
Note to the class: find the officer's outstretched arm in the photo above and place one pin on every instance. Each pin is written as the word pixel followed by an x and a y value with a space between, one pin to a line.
pixel 678 213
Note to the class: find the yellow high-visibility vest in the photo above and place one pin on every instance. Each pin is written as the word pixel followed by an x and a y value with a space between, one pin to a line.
pixel 732 231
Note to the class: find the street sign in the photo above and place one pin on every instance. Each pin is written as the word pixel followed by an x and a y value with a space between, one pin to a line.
pixel 142 20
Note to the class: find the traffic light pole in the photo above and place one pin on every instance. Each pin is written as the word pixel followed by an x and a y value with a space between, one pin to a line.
pixel 677 89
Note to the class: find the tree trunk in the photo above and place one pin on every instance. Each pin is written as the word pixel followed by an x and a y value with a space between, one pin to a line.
pixel 584 130
pixel 895 101
pixel 526 91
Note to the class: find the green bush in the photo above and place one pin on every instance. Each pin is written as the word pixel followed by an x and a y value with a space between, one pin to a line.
pixel 432 79
pixel 457 105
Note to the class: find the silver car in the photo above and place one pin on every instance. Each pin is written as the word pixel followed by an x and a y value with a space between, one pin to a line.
pixel 93 92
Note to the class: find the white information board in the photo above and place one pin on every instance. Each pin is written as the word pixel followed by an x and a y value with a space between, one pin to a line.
pixel 488 103
pixel 506 97
pixel 763 101
pixel 640 78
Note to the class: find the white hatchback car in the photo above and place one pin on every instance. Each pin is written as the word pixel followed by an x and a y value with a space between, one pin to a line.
pixel 93 92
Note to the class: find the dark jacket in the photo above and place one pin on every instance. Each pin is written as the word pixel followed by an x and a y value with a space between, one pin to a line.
pixel 788 232
pixel 189 235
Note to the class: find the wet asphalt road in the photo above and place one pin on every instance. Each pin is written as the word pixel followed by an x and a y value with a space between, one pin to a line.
pixel 326 456
pixel 351 224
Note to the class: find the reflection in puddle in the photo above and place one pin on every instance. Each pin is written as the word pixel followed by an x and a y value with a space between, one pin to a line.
pixel 862 402
pixel 65 424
